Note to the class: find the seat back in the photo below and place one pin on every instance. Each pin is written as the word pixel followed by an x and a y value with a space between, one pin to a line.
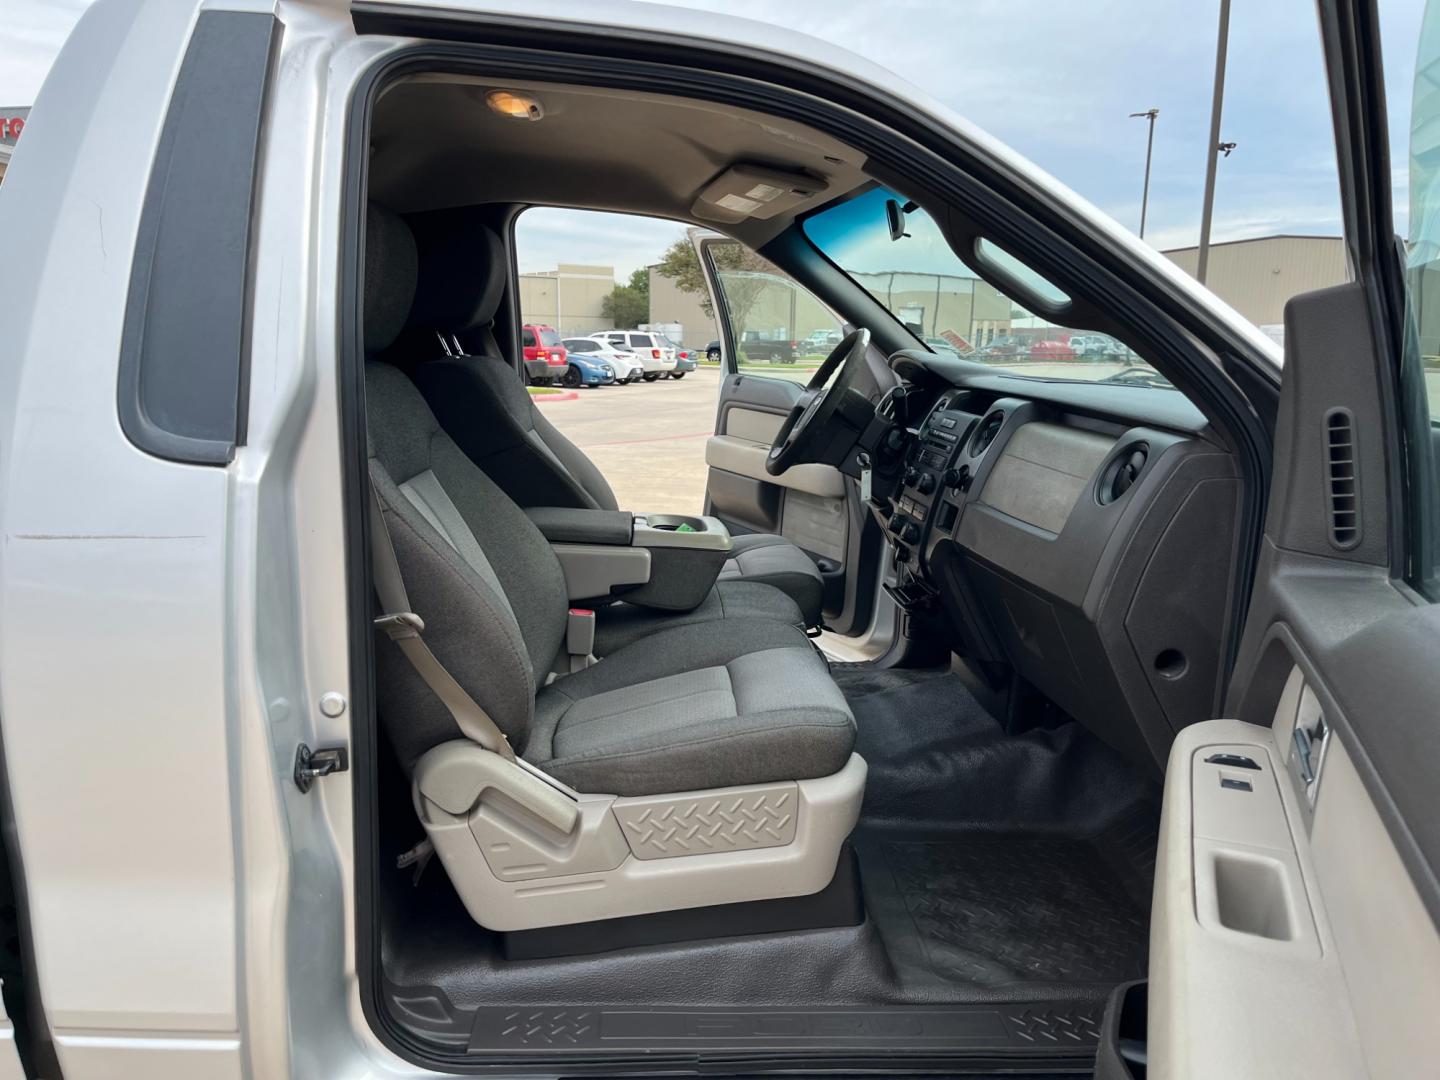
pixel 480 399
pixel 477 570
pixel 482 403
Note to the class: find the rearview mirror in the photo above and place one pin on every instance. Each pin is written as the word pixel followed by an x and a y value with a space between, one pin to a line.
pixel 895 217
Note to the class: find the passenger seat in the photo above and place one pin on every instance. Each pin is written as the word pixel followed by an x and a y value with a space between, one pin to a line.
pixel 706 763
pixel 482 402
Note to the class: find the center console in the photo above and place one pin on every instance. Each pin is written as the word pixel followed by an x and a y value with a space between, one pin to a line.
pixel 932 487
pixel 1085 554
pixel 664 561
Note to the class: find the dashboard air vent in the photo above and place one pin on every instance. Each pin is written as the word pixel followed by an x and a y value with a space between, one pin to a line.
pixel 1342 481
pixel 1121 473
pixel 986 432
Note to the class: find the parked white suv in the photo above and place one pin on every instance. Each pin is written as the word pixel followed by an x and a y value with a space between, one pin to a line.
pixel 654 351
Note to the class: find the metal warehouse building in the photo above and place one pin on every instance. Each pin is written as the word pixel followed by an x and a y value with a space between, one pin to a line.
pixel 1256 277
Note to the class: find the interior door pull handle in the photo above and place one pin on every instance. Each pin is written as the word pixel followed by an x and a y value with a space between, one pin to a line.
pixel 1234 761
pixel 1303 747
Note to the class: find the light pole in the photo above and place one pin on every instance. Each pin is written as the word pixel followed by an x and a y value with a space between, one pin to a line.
pixel 1214 147
pixel 1149 114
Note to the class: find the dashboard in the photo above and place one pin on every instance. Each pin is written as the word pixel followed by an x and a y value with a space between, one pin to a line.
pixel 1080 536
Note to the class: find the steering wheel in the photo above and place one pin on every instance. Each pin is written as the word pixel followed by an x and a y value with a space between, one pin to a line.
pixel 803 432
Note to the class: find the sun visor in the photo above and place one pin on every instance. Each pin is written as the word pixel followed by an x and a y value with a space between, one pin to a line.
pixel 754 191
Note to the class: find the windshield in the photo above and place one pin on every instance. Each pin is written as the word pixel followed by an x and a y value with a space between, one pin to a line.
pixel 549 337
pixel 923 283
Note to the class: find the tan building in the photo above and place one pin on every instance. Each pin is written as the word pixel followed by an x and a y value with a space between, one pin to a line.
pixel 567 298
pixel 1256 277
pixel 773 307
pixel 668 304
pixel 766 303
pixel 942 305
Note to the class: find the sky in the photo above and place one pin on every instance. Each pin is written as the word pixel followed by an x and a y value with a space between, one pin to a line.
pixel 1054 79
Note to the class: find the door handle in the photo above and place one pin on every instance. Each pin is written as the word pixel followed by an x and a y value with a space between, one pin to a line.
pixel 1304 747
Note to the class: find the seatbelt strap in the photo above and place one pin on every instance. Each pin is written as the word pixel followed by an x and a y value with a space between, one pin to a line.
pixel 404 628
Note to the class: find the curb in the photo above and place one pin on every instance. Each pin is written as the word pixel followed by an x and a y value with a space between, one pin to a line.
pixel 546 399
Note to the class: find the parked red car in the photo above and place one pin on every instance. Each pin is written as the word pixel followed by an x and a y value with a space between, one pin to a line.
pixel 1051 350
pixel 545 353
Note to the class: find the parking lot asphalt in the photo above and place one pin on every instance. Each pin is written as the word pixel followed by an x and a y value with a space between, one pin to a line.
pixel 648 439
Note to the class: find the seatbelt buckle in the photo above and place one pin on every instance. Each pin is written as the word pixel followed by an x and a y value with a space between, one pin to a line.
pixel 404 624
pixel 580 637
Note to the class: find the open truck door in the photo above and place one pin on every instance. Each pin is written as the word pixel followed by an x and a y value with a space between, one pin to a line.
pixel 1296 899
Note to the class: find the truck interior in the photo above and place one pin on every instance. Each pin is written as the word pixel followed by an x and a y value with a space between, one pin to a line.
pixel 633 804
pixel 709 825
pixel 1044 683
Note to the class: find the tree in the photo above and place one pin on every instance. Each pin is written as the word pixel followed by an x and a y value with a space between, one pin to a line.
pixel 681 265
pixel 626 306
pixel 640 281
pixel 744 276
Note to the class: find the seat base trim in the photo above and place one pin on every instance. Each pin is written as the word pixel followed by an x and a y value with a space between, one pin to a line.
pixel 514 872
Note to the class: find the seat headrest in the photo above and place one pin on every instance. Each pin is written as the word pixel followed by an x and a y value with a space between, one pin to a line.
pixel 391 268
pixel 462 271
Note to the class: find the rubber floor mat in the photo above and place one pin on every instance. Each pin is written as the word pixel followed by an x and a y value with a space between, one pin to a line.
pixel 1001 909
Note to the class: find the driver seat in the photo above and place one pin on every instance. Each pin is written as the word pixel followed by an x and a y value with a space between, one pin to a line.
pixel 482 403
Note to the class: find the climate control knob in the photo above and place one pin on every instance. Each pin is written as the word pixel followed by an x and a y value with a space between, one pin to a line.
pixel 912 476
pixel 958 479
pixel 911 533
pixel 926 484
pixel 896 523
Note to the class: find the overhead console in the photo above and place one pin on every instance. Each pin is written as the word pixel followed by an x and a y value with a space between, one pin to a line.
pixel 1090 554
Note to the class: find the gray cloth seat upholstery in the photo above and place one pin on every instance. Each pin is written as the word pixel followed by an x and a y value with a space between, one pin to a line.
pixel 620 624
pixel 476 389
pixel 687 709
pixel 765 557
pixel 712 704
pixel 482 402
pixel 708 704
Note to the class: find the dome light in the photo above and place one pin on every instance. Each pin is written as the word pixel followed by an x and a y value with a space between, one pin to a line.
pixel 515 105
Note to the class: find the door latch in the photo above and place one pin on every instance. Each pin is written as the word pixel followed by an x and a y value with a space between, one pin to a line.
pixel 311 765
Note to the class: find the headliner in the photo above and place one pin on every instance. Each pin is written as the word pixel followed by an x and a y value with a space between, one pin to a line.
pixel 435 144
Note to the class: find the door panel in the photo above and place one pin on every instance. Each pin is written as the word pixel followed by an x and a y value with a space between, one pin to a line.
pixel 1281 938
pixel 743 443
pixel 1303 941
pixel 741 492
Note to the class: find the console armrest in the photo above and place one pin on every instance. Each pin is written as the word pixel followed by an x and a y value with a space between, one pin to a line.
pixel 681 531
pixel 566 525
pixel 665 561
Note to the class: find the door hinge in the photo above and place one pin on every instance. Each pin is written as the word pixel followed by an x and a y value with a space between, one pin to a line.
pixel 310 765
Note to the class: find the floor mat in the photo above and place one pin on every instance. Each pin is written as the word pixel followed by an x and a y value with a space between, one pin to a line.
pixel 999 909
pixel 861 679
pixel 1006 880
